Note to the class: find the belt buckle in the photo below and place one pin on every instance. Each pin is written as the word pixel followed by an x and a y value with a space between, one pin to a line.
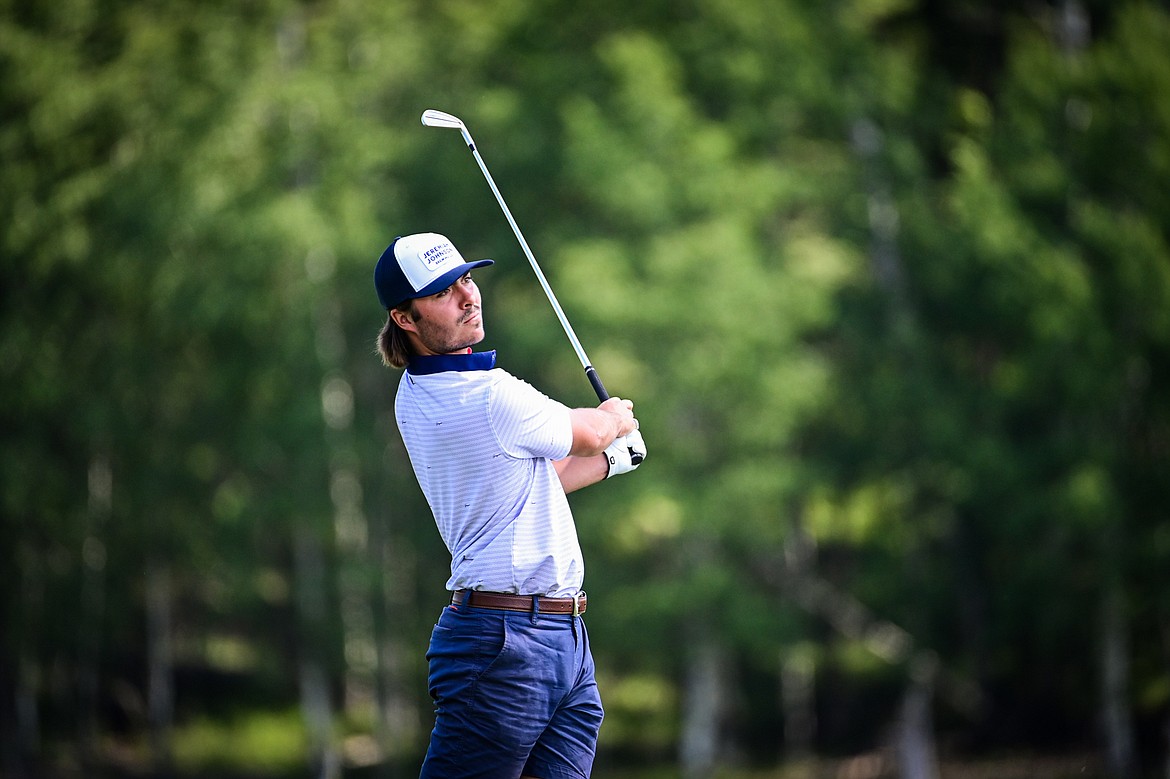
pixel 577 603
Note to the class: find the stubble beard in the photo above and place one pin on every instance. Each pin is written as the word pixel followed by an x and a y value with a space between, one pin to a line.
pixel 444 340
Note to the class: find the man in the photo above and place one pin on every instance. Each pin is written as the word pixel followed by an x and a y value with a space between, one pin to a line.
pixel 511 671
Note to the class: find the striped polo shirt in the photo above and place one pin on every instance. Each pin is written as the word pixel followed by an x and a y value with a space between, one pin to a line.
pixel 482 442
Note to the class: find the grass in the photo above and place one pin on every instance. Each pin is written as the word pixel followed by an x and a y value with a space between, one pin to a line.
pixel 878 765
pixel 274 745
pixel 259 744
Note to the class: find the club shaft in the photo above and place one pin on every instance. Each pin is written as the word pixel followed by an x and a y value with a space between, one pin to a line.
pixel 590 373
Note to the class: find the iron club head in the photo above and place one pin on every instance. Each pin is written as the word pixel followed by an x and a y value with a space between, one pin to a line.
pixel 433 118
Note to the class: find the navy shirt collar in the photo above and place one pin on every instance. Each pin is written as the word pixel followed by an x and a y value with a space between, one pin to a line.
pixel 421 365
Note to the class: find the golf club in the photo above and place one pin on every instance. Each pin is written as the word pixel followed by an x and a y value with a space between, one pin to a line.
pixel 433 118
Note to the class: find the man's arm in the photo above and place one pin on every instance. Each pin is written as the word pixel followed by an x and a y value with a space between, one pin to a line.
pixel 593 430
pixel 578 472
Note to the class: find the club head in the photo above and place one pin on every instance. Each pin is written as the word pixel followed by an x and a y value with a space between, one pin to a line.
pixel 433 118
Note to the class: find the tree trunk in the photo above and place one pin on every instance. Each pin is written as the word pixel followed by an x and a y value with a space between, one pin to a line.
pixel 797 699
pixel 93 599
pixel 160 665
pixel 350 527
pixel 316 706
pixel 914 733
pixel 401 724
pixel 21 735
pixel 703 705
pixel 798 663
pixel 884 220
pixel 1116 720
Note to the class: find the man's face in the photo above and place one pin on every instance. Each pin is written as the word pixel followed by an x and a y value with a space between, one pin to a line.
pixel 448 321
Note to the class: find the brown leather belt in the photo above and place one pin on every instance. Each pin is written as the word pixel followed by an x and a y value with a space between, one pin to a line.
pixel 501 600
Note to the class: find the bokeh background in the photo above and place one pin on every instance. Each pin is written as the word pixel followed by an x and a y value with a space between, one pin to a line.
pixel 889 281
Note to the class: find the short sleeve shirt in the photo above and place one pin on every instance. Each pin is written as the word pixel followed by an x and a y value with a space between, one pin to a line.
pixel 482 444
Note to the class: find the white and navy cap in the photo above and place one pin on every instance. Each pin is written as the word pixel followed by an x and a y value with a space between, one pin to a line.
pixel 414 266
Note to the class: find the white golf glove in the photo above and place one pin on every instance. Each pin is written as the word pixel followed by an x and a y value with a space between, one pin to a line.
pixel 625 454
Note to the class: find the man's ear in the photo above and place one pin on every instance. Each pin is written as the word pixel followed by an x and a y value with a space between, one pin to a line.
pixel 403 320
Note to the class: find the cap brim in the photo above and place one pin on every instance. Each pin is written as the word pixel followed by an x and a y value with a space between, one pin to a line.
pixel 449 278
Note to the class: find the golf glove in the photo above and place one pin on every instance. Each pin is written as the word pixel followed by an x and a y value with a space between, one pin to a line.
pixel 625 454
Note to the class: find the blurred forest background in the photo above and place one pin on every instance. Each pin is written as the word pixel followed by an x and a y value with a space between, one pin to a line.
pixel 889 281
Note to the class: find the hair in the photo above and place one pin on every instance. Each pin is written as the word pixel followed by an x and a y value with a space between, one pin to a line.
pixel 393 344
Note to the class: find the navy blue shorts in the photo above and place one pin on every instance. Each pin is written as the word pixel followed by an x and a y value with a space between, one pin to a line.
pixel 514 696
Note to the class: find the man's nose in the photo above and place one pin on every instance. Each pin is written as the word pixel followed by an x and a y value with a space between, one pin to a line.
pixel 466 295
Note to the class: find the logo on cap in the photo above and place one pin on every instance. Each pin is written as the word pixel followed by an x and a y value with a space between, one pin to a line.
pixel 436 255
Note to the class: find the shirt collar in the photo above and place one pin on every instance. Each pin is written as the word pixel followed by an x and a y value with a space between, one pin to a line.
pixel 422 365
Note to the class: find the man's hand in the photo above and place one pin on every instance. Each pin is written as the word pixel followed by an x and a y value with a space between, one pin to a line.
pixel 596 428
pixel 623 415
pixel 625 453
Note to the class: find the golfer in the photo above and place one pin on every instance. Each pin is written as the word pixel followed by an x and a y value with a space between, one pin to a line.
pixel 510 668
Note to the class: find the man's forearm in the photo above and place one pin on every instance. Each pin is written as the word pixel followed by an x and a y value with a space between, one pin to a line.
pixel 578 472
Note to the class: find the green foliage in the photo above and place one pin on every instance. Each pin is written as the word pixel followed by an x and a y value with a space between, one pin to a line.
pixel 896 319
